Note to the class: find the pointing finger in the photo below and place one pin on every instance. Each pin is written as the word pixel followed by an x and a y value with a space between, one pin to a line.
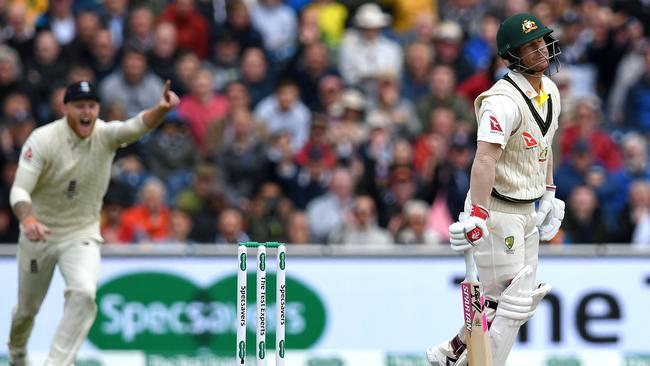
pixel 167 87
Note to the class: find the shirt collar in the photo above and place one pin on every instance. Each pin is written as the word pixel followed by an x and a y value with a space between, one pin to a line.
pixel 528 89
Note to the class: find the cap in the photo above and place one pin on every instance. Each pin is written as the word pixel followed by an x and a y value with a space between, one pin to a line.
pixel 80 90
pixel 449 31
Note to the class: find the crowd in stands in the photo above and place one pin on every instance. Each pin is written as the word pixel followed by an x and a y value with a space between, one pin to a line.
pixel 325 121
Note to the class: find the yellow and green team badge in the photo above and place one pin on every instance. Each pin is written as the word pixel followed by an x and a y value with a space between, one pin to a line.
pixel 510 242
pixel 528 26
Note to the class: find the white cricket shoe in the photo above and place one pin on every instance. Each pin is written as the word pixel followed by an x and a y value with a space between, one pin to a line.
pixel 441 355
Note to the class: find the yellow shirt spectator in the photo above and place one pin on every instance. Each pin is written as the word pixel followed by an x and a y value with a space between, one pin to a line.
pixel 331 20
pixel 405 11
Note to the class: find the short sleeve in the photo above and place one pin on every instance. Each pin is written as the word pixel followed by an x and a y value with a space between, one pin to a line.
pixel 498 117
pixel 32 158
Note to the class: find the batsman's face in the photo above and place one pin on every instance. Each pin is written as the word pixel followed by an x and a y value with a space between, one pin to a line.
pixel 81 115
pixel 534 55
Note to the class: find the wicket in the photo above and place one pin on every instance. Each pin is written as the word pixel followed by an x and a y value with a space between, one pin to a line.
pixel 280 298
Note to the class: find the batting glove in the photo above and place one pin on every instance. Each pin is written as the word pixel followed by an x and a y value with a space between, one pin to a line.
pixel 470 231
pixel 549 214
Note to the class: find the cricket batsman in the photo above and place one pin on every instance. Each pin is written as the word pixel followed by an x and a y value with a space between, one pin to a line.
pixel 62 175
pixel 512 169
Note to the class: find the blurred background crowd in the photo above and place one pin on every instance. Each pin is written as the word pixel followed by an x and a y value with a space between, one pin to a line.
pixel 325 121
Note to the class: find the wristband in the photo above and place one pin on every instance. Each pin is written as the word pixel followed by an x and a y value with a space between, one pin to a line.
pixel 479 211
pixel 550 187
pixel 28 221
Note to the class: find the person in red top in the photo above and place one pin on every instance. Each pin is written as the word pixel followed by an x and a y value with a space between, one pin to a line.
pixel 202 107
pixel 192 28
pixel 584 125
pixel 149 220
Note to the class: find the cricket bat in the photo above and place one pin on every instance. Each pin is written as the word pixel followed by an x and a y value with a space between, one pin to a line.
pixel 477 338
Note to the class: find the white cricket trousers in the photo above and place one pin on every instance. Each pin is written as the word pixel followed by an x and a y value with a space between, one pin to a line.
pixel 78 262
pixel 513 243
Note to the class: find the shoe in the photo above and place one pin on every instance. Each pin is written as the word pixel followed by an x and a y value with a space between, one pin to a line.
pixel 442 355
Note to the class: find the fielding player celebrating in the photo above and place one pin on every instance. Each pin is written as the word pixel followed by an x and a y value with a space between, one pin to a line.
pixel 513 168
pixel 62 175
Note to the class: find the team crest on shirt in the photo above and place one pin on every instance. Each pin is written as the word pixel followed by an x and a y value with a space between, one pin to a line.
pixel 495 126
pixel 529 140
pixel 510 242
pixel 542 155
pixel 27 155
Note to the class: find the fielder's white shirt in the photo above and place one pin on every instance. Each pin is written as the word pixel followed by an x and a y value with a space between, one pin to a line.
pixel 72 174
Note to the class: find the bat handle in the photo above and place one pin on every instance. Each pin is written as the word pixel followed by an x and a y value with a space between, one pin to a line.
pixel 470 266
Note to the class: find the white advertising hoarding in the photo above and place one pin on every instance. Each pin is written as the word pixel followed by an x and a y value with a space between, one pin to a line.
pixel 399 304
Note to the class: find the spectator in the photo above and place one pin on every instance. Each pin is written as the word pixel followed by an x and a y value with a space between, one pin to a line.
pixel 163 53
pixel 639 213
pixel 192 28
pixel 448 46
pixel 582 223
pixel 10 72
pixel 328 212
pixel 318 143
pixel 279 28
pixel 238 22
pixel 414 230
pixel 225 60
pixel 585 125
pixel 202 107
pixel 18 125
pixel 616 191
pixel 140 28
pixel 635 214
pixel 171 154
pixel 255 75
pixel 103 55
pixel 415 79
pixel 237 95
pixel 309 73
pixel 130 171
pixel 442 84
pixel 59 18
pixel 400 111
pixel 231 228
pixel 480 48
pixel 187 66
pixel 402 187
pixel 284 112
pixel 19 32
pixel 637 107
pixel 267 214
pixel 46 69
pixel 630 69
pixel 180 228
pixel 87 26
pixel 304 182
pixel 329 92
pixel 115 17
pixel 361 227
pixel 348 131
pixel 421 30
pixel 364 52
pixel 297 229
pixel 147 221
pixel 133 85
pixel 242 158
pixel 332 16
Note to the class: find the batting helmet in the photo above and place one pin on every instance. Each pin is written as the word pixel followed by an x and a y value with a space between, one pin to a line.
pixel 518 30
